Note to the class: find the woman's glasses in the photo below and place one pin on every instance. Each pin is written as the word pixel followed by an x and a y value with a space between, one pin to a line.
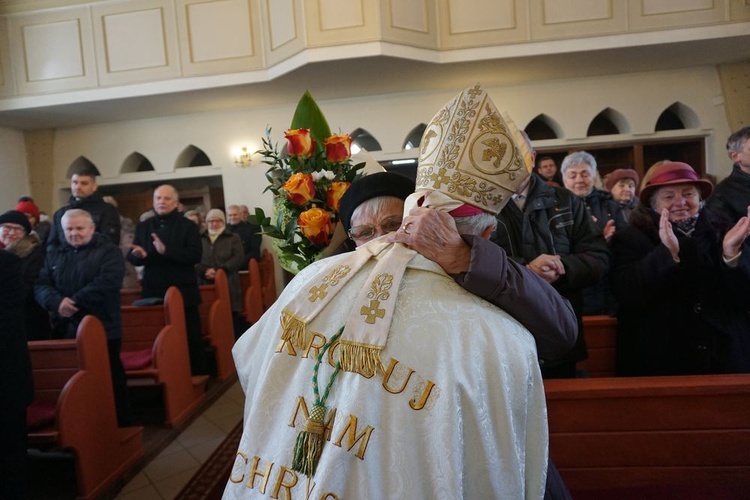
pixel 367 231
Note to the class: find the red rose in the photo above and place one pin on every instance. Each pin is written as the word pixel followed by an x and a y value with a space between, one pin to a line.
pixel 300 143
pixel 338 148
pixel 333 198
pixel 300 188
pixel 316 225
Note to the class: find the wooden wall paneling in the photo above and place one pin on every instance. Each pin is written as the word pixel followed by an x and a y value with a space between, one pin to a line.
pixel 219 36
pixel 7 83
pixel 576 18
pixel 656 14
pixel 341 22
pixel 739 10
pixel 476 23
pixel 138 41
pixel 410 22
pixel 284 29
pixel 52 51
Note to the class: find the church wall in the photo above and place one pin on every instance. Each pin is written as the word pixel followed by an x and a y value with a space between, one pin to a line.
pixel 15 181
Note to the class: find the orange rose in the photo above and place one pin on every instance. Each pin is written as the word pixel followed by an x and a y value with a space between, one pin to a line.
pixel 333 198
pixel 300 188
pixel 300 143
pixel 338 148
pixel 316 225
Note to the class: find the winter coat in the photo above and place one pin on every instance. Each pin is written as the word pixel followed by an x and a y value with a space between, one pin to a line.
pixel 182 240
pixel 555 222
pixel 598 298
pixel 31 252
pixel 224 253
pixel 105 217
pixel 732 195
pixel 679 318
pixel 251 240
pixel 91 275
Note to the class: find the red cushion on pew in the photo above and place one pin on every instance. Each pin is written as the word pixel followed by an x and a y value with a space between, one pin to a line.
pixel 40 415
pixel 136 360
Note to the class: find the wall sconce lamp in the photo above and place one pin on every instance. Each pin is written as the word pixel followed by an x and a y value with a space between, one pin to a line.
pixel 242 158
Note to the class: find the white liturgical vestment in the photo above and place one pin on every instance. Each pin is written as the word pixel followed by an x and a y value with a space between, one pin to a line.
pixel 459 411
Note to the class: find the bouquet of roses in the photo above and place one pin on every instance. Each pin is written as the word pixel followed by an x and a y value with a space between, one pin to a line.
pixel 307 181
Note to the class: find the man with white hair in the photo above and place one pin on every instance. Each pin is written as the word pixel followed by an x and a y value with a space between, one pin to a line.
pixel 168 246
pixel 81 277
pixel 375 375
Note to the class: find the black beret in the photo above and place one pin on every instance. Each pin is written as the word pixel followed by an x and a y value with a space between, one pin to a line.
pixel 369 187
pixel 16 217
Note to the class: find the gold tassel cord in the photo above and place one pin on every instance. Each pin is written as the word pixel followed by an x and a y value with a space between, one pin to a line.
pixel 309 445
pixel 310 441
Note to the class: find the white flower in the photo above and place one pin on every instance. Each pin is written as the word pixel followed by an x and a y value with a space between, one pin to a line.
pixel 323 174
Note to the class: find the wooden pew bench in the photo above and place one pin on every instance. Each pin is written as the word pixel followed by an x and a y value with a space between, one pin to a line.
pixel 267 279
pixel 652 437
pixel 217 326
pixel 155 351
pixel 601 339
pixel 253 296
pixel 74 408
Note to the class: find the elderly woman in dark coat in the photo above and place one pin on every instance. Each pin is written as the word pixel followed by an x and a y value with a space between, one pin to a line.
pixel 17 237
pixel 222 250
pixel 682 278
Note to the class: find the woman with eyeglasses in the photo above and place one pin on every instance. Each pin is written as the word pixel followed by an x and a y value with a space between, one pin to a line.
pixel 17 238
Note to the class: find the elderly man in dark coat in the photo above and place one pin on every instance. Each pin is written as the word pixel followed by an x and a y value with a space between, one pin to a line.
pixel 168 246
pixel 84 277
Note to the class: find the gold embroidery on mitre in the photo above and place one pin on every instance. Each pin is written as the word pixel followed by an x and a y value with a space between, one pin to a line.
pixel 472 152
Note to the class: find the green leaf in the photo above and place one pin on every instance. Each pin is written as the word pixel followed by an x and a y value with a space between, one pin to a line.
pixel 309 115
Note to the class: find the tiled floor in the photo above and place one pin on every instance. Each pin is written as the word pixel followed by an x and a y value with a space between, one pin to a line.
pixel 168 472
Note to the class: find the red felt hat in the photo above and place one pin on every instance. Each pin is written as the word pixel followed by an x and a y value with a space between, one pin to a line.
pixel 674 172
pixel 28 208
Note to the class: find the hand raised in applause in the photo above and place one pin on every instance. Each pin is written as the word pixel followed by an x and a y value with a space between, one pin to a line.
pixel 735 237
pixel 158 244
pixel 67 307
pixel 138 251
pixel 433 234
pixel 547 267
pixel 609 230
pixel 667 237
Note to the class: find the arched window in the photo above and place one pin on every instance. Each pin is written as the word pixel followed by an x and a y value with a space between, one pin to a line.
pixel 608 122
pixel 136 162
pixel 414 138
pixel 81 164
pixel 192 156
pixel 677 117
pixel 543 127
pixel 362 139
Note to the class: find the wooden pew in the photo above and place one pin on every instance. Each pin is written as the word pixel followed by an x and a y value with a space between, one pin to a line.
pixel 601 339
pixel 253 296
pixel 268 279
pixel 216 323
pixel 155 351
pixel 652 437
pixel 74 408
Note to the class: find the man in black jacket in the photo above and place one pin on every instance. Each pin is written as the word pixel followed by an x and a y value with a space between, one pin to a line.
pixel 549 230
pixel 248 233
pixel 80 277
pixel 732 195
pixel 168 246
pixel 84 195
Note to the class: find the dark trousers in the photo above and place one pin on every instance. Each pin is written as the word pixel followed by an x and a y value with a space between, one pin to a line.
pixel 119 383
pixel 13 451
pixel 196 347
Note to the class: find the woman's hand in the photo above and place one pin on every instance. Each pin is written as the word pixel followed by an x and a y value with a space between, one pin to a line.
pixel 736 236
pixel 667 237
